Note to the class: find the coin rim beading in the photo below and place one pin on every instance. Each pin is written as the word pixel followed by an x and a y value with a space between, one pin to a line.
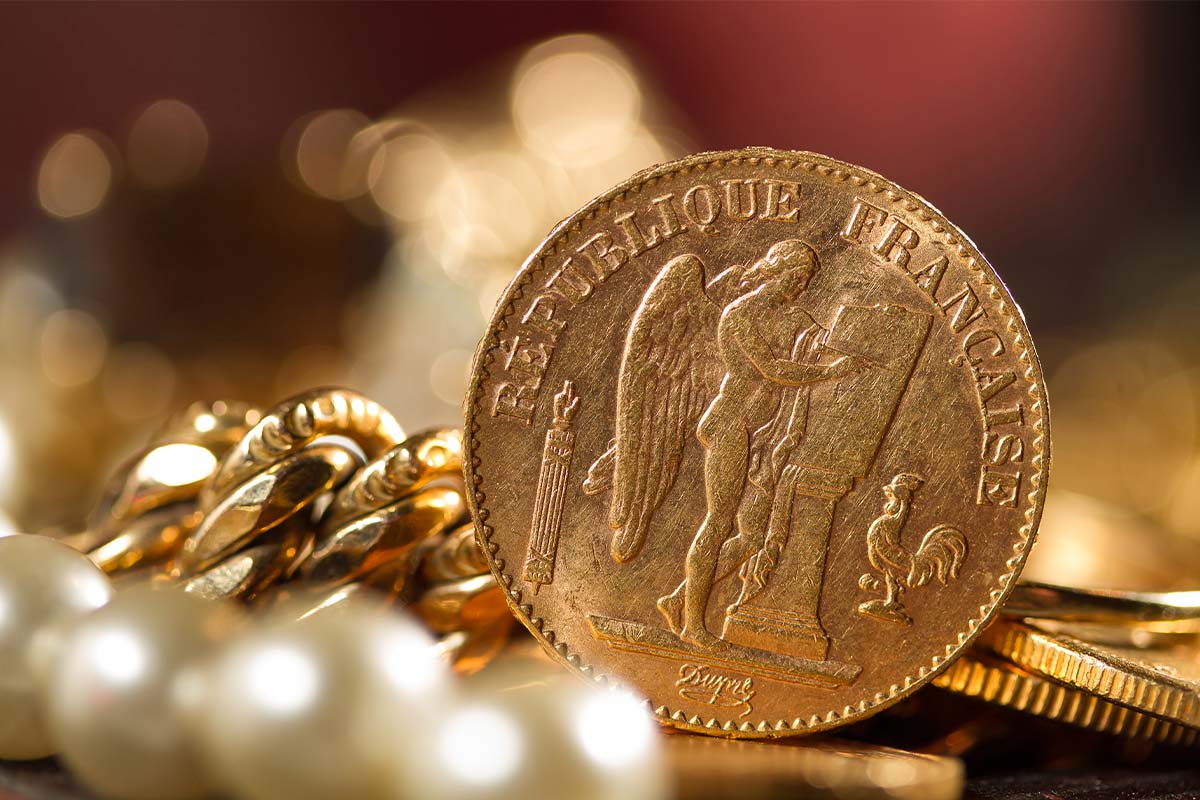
pixel 838 171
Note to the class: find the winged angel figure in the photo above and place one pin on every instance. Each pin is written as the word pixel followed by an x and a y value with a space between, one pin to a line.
pixel 702 358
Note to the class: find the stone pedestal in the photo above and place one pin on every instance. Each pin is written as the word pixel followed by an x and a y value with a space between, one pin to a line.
pixel 783 617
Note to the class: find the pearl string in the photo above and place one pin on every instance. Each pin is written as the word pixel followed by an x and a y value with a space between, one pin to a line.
pixel 153 693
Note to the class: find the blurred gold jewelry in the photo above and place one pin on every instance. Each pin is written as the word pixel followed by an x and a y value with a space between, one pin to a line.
pixel 253 568
pixel 1162 681
pixel 296 600
pixel 456 555
pixel 296 423
pixel 234 498
pixel 1157 611
pixel 462 604
pixel 384 537
pixel 265 499
pixel 523 661
pixel 469 651
pixel 151 538
pixel 995 681
pixel 413 464
pixel 169 471
pixel 374 507
pixel 706 767
pixel 181 457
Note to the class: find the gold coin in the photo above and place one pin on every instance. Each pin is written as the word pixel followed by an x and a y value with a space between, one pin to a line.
pixel 975 674
pixel 1097 563
pixel 760 434
pixel 1164 612
pixel 1163 681
pixel 705 767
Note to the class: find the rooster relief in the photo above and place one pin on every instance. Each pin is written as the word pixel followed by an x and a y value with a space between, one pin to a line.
pixel 940 554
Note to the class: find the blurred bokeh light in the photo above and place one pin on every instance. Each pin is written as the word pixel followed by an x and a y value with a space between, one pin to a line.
pixel 226 201
pixel 167 144
pixel 75 175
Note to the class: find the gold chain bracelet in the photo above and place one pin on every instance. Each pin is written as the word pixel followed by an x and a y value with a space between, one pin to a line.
pixel 229 502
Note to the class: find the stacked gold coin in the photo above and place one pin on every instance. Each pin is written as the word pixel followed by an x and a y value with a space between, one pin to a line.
pixel 1075 648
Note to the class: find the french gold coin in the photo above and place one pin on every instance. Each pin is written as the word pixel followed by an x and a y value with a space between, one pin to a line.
pixel 704 767
pixel 979 675
pixel 760 434
pixel 1162 681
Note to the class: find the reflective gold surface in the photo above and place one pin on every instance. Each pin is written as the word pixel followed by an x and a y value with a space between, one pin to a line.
pixel 417 461
pixel 463 603
pixel 252 568
pixel 296 423
pixel 994 680
pixel 383 537
pixel 469 651
pixel 182 456
pixel 813 768
pixel 703 447
pixel 1162 681
pixel 310 527
pixel 298 600
pixel 151 538
pixel 456 555
pixel 1176 610
pixel 267 498
pixel 171 471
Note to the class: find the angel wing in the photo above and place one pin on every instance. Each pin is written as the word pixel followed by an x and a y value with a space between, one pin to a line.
pixel 669 374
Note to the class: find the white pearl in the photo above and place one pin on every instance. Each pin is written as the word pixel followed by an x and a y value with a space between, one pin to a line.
pixel 42 582
pixel 108 696
pixel 561 739
pixel 310 709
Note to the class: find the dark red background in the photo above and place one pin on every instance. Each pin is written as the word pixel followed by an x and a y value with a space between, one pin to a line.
pixel 1060 136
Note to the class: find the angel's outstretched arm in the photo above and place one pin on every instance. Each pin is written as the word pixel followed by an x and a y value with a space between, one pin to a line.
pixel 787 372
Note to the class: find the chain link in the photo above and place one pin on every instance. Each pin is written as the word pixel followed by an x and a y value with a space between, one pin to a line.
pixel 230 502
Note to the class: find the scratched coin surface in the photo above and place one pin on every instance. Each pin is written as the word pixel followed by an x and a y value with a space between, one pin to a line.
pixel 760 434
